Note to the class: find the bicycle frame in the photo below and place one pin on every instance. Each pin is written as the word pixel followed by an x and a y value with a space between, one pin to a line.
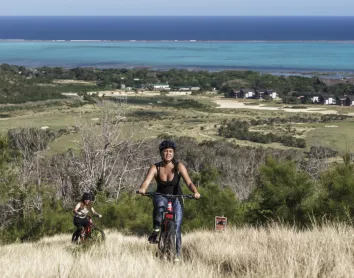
pixel 86 231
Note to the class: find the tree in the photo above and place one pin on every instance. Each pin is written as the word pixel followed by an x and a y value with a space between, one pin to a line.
pixel 283 193
pixel 337 201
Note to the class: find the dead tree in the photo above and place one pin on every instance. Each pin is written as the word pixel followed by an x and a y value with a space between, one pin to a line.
pixel 108 151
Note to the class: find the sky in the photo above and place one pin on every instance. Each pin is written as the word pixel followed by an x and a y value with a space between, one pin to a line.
pixel 178 7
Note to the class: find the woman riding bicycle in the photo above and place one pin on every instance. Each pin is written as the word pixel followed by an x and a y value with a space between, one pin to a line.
pixel 167 174
pixel 80 218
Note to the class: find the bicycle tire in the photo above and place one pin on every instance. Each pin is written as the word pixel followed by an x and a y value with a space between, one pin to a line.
pixel 97 235
pixel 169 241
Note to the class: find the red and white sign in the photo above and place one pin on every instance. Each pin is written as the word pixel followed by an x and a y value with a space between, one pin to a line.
pixel 220 223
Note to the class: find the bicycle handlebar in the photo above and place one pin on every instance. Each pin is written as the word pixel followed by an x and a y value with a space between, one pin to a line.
pixel 152 194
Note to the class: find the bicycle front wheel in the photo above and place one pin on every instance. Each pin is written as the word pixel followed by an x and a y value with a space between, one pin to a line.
pixel 169 240
pixel 97 235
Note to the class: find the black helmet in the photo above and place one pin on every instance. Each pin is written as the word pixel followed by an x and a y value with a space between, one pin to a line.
pixel 166 144
pixel 86 196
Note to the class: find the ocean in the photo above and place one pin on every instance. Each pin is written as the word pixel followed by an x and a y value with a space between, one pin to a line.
pixel 212 43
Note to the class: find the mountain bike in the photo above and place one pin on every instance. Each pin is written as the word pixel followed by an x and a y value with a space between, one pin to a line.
pixel 167 238
pixel 91 233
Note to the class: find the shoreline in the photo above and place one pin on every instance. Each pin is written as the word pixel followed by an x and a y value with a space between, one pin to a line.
pixel 321 73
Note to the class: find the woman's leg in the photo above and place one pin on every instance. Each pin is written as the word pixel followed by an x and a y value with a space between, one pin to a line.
pixel 178 209
pixel 160 204
pixel 79 227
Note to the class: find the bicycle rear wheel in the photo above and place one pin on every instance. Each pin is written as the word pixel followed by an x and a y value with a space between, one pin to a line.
pixel 169 241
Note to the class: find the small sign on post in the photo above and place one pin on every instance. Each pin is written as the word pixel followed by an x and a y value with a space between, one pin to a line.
pixel 220 223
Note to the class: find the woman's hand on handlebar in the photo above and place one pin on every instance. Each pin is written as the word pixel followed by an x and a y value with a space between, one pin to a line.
pixel 196 195
pixel 141 191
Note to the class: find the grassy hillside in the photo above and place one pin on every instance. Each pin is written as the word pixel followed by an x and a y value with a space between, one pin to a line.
pixel 244 252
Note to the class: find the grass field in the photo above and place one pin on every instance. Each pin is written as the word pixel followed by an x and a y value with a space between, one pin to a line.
pixel 154 115
pixel 337 135
pixel 239 252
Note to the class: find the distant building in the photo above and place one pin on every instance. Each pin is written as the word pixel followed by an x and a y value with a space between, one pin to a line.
pixel 260 93
pixel 248 93
pixel 271 94
pixel 235 94
pixel 341 100
pixel 161 87
pixel 315 99
pixel 327 100
pixel 349 101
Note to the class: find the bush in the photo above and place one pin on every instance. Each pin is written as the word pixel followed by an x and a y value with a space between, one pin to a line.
pixel 282 193
pixel 337 202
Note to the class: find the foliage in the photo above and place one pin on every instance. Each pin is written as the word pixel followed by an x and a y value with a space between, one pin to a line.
pixel 282 193
pixel 242 184
pixel 337 202
pixel 224 81
pixel 240 130
pixel 17 89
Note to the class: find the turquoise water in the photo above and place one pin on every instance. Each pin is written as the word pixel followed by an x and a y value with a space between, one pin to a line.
pixel 301 56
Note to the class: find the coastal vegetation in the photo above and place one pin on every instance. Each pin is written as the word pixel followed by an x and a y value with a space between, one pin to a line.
pixel 19 84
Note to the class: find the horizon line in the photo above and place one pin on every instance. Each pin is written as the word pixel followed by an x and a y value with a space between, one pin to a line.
pixel 304 15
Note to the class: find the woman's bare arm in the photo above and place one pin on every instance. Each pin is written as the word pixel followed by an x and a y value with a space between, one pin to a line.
pixel 95 212
pixel 148 179
pixel 182 169
pixel 76 209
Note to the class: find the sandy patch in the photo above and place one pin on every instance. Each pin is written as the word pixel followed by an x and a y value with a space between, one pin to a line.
pixel 120 92
pixel 331 126
pixel 226 103
pixel 72 81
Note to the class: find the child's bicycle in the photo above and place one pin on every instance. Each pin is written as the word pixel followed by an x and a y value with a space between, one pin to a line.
pixel 167 237
pixel 91 233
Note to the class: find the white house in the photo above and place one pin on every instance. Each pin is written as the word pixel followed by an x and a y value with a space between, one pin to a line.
pixel 327 100
pixel 247 93
pixel 161 87
pixel 315 99
pixel 273 95
pixel 349 101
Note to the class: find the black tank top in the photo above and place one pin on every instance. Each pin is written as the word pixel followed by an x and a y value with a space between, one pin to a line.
pixel 168 187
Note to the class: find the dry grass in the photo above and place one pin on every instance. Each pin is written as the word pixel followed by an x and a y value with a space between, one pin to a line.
pixel 244 252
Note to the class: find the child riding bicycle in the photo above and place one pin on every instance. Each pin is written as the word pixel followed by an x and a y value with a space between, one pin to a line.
pixel 167 174
pixel 80 218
